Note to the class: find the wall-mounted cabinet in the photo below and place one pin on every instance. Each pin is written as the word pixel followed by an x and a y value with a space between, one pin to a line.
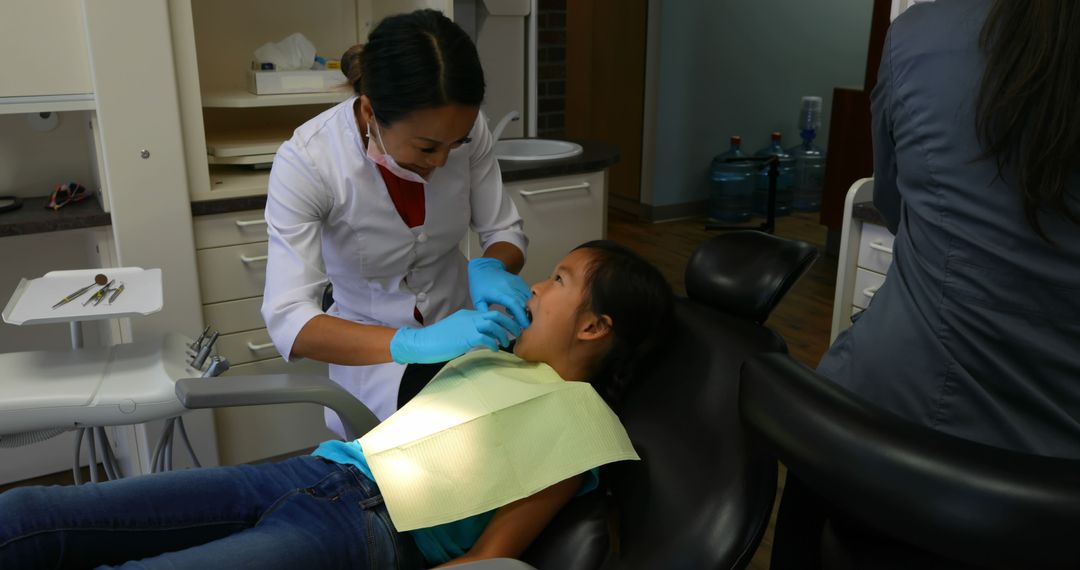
pixel 230 135
pixel 58 69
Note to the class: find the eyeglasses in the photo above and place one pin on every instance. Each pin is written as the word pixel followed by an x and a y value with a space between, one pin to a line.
pixel 65 194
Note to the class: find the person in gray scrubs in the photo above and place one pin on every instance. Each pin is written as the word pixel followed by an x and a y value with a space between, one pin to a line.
pixel 976 330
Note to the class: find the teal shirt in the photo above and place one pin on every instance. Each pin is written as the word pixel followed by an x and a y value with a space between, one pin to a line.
pixel 439 543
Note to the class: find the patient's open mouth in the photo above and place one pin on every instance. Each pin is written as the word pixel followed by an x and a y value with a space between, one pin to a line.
pixel 528 313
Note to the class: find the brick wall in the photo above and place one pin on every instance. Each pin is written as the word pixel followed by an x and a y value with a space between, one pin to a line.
pixel 551 68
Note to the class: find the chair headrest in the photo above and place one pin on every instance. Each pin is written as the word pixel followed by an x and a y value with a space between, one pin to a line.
pixel 960 499
pixel 746 273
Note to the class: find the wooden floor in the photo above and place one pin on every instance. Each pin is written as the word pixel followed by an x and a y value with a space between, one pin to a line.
pixel 802 318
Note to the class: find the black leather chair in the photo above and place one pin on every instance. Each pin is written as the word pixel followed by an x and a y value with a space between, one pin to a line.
pixel 701 497
pixel 906 496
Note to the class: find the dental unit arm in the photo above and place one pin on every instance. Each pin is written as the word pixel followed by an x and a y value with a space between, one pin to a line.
pixel 45 393
pixel 91 387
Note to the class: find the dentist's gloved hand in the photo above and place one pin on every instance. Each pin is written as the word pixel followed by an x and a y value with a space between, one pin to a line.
pixel 491 284
pixel 453 336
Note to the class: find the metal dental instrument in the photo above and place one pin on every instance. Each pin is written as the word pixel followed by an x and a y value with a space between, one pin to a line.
pixel 99 279
pixel 204 352
pixel 116 292
pixel 98 300
pixel 100 293
pixel 217 366
pixel 197 345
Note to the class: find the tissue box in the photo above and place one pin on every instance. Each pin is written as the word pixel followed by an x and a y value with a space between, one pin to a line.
pixel 302 81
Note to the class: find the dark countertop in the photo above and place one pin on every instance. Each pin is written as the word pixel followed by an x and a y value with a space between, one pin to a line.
pixel 35 218
pixel 866 212
pixel 595 156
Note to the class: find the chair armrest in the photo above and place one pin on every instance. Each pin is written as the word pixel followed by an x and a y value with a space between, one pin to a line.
pixel 262 389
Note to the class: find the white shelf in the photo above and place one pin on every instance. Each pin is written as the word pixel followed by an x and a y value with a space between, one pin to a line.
pixel 241 98
pixel 233 182
pixel 47 103
pixel 255 141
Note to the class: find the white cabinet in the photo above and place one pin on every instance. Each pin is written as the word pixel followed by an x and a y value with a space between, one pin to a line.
pixel 865 256
pixel 867 284
pixel 875 248
pixel 231 254
pixel 560 213
pixel 45 51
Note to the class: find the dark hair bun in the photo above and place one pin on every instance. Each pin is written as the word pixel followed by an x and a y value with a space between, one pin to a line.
pixel 350 64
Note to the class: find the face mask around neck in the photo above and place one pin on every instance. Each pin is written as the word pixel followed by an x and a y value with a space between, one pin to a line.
pixel 382 158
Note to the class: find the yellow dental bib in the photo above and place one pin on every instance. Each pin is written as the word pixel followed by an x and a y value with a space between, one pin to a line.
pixel 488 430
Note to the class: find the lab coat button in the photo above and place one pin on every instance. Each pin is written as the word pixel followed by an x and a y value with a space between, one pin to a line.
pixel 127 406
pixel 421 238
pixel 421 296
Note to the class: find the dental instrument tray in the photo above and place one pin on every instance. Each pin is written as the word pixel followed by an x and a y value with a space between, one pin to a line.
pixel 33 300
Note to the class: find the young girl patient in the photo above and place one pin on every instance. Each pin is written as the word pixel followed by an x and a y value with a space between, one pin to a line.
pixel 600 310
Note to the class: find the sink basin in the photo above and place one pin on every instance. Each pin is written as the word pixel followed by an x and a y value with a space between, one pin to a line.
pixel 535 149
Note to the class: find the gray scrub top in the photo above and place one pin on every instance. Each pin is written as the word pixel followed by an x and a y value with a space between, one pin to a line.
pixel 976 331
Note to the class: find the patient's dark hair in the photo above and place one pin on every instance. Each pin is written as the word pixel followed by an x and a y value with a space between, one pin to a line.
pixel 637 298
pixel 420 60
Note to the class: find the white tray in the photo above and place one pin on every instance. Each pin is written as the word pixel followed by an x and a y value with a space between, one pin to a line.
pixel 32 301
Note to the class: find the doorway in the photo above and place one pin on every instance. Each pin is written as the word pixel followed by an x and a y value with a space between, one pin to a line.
pixel 600 92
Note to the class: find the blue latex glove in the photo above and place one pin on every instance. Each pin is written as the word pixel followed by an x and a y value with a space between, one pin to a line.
pixel 453 336
pixel 491 284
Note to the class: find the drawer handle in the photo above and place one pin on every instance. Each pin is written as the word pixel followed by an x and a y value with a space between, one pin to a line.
pixel 246 223
pixel 870 291
pixel 248 260
pixel 880 247
pixel 257 347
pixel 581 186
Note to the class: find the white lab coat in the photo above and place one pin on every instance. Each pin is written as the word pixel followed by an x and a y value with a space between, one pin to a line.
pixel 330 217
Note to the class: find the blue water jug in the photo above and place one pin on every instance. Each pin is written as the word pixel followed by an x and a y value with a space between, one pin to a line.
pixel 809 158
pixel 785 182
pixel 731 185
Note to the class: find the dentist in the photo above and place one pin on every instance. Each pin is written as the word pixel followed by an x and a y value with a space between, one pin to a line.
pixel 374 196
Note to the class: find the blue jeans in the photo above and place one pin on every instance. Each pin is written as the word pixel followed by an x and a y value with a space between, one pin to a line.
pixel 304 512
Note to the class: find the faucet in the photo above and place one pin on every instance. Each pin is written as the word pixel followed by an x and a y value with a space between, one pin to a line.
pixel 501 125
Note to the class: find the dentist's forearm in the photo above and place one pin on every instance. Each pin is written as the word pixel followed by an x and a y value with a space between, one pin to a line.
pixel 508 253
pixel 337 341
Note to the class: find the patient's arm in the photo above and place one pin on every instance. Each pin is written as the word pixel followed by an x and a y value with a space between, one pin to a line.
pixel 515 525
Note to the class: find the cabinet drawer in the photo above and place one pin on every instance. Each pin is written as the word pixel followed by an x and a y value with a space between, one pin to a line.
pixel 875 248
pixel 867 284
pixel 247 346
pixel 233 228
pixel 234 316
pixel 234 272
pixel 560 214
pixel 253 433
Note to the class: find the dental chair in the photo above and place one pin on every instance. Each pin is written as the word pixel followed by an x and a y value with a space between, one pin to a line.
pixel 701 496
pixel 906 496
